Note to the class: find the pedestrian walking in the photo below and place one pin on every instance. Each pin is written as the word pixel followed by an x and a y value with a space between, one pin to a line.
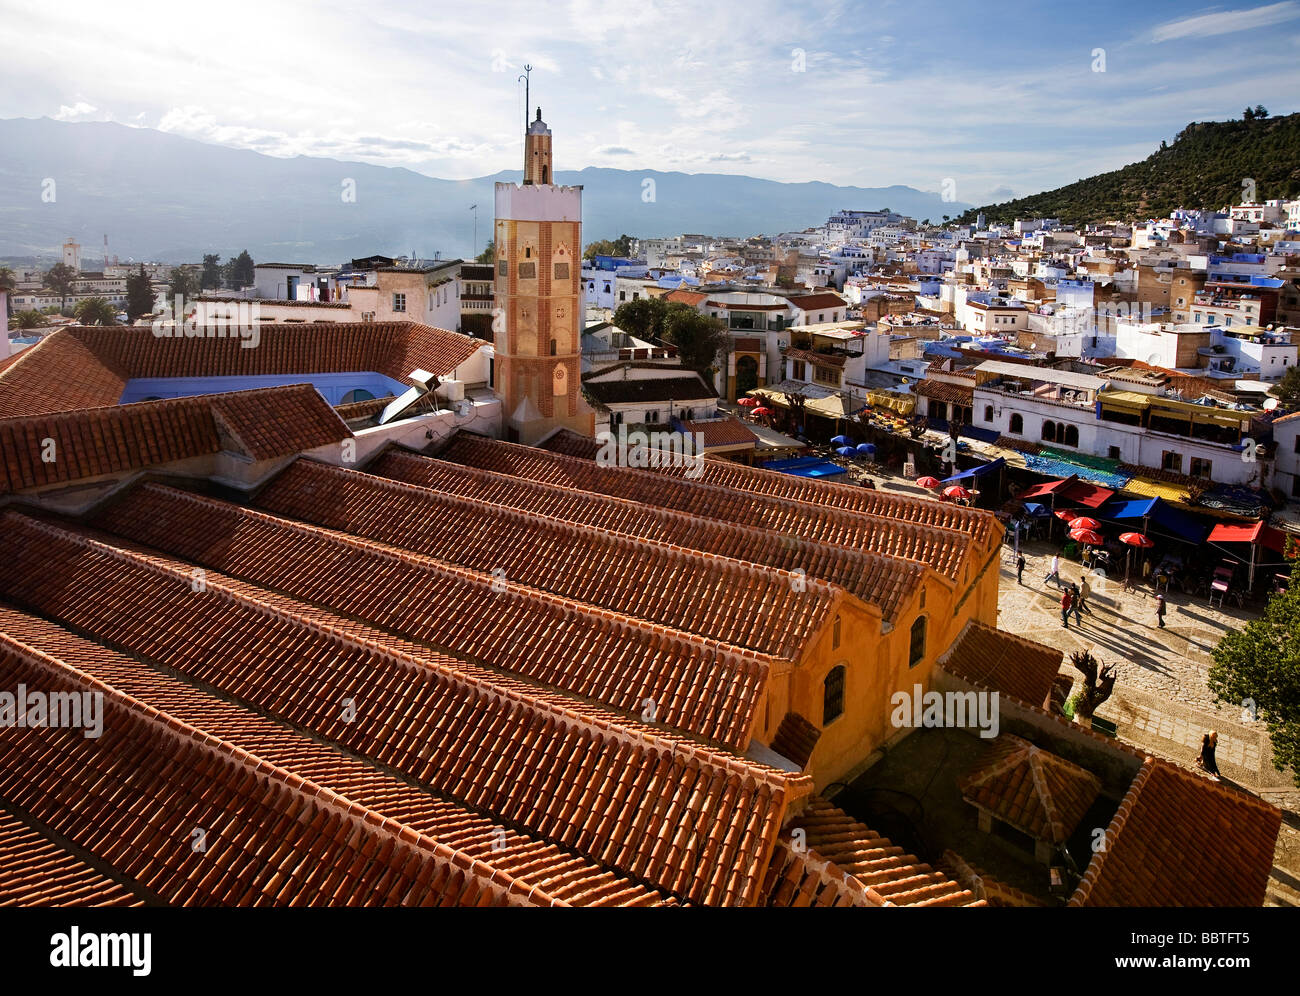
pixel 1076 604
pixel 1085 592
pixel 1160 611
pixel 1067 602
pixel 1207 760
pixel 1020 569
pixel 1055 573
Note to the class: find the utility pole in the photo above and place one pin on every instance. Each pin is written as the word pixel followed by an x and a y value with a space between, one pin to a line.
pixel 474 208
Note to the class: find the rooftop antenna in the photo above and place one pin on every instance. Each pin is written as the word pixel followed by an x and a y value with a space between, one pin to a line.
pixel 527 70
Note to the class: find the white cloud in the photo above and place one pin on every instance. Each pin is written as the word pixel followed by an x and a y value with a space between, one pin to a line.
pixel 1226 21
pixel 80 111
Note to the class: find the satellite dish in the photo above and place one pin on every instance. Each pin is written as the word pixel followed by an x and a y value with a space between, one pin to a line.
pixel 1154 359
pixel 1271 404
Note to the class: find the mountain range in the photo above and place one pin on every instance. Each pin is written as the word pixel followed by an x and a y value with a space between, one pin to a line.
pixel 159 196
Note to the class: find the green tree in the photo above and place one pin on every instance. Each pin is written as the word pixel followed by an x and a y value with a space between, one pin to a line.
pixel 95 311
pixel 1288 388
pixel 621 246
pixel 1261 112
pixel 1249 114
pixel 489 253
pixel 139 295
pixel 243 274
pixel 61 278
pixel 210 278
pixel 182 282
pixel 1257 668
pixel 29 319
pixel 641 318
pixel 698 338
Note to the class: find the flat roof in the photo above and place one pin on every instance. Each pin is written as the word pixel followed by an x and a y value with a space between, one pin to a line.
pixel 1046 374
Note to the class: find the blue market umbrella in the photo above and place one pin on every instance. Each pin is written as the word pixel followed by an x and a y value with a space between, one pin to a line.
pixel 847 451
pixel 866 449
pixel 842 441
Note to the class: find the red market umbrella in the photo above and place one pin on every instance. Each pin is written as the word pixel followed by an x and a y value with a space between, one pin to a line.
pixel 927 482
pixel 1136 539
pixel 956 491
pixel 1083 522
pixel 749 402
pixel 1066 515
pixel 762 410
pixel 1089 536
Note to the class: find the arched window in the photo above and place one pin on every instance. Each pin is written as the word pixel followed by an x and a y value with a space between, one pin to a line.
pixel 916 650
pixel 833 695
pixel 1017 424
pixel 355 395
pixel 988 413
pixel 1071 435
pixel 1049 431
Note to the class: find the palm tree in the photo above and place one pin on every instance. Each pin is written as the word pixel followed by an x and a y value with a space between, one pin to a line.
pixel 8 283
pixel 61 278
pixel 95 311
pixel 29 319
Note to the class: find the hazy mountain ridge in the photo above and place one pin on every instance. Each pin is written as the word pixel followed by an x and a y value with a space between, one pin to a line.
pixel 160 196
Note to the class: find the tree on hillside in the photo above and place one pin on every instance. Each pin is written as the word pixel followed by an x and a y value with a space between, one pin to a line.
pixel 1249 114
pixel 489 253
pixel 1257 668
pixel 182 282
pixel 1261 112
pixel 95 311
pixel 61 278
pixel 210 278
pixel 139 295
pixel 242 273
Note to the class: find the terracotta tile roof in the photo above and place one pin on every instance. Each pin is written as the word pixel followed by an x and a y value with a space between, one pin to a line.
pixel 261 424
pixel 953 394
pixel 35 871
pixel 885 582
pixel 135 796
pixel 818 302
pixel 983 885
pixel 561 874
pixel 698 686
pixel 815 358
pixel 878 872
pixel 88 366
pixel 738 603
pixel 363 409
pixel 696 822
pixel 795 738
pixel 687 297
pixel 721 432
pixel 1031 789
pixel 945 550
pixel 1179 839
pixel 1003 662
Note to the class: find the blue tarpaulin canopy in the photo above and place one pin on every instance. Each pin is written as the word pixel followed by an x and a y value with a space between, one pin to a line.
pixel 982 469
pixel 1130 509
pixel 1036 510
pixel 1158 513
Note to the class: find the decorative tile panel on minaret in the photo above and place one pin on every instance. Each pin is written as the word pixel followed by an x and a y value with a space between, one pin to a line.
pixel 539 292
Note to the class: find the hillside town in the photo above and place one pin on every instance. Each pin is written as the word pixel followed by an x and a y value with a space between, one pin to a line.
pixel 883 563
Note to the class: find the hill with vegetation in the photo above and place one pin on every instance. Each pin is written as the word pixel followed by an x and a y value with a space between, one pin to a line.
pixel 1204 167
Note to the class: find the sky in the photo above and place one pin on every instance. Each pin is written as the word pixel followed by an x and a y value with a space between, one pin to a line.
pixel 997 99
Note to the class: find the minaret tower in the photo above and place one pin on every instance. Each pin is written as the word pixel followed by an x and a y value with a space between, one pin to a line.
pixel 538 370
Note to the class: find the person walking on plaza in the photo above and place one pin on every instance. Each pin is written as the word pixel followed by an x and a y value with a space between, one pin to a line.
pixel 1085 592
pixel 1055 573
pixel 1160 611
pixel 1076 604
pixel 1020 569
pixel 1207 760
pixel 1067 602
